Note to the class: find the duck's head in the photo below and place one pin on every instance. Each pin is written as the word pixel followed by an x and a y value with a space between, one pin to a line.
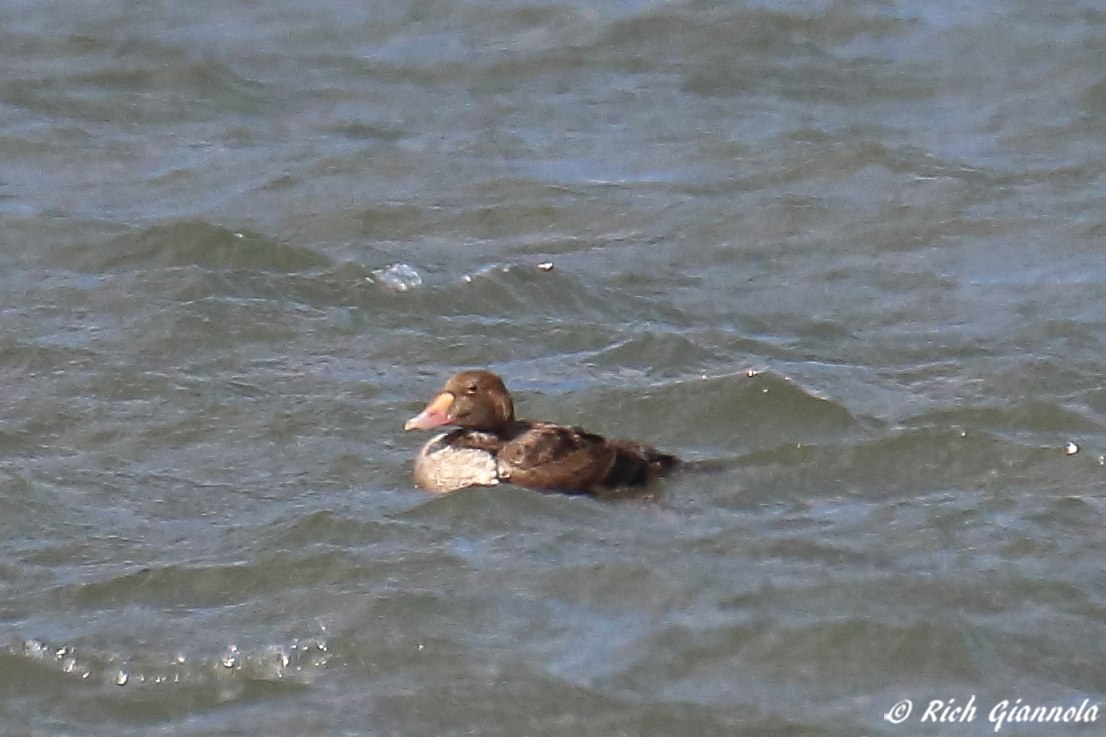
pixel 475 400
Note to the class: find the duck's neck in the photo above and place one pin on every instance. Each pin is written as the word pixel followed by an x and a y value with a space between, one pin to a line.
pixel 505 432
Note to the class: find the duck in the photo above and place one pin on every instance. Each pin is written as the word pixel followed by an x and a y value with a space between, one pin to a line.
pixel 490 446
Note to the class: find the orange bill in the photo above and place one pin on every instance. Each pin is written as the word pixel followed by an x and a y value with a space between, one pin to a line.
pixel 434 415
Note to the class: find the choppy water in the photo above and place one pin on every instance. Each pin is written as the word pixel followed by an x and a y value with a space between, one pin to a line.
pixel 851 250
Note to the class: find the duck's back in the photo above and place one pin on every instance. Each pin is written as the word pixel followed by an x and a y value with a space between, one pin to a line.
pixel 544 456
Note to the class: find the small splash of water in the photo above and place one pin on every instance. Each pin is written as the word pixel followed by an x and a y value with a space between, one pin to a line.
pixel 398 277
pixel 35 650
pixel 296 660
pixel 230 660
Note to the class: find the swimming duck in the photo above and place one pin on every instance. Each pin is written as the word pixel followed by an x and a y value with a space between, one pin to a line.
pixel 490 446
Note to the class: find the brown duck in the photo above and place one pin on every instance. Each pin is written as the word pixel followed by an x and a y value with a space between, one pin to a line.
pixel 490 446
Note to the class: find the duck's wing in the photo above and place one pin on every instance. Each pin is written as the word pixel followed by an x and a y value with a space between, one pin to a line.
pixel 544 456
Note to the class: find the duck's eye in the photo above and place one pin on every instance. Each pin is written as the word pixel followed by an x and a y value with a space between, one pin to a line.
pixel 470 389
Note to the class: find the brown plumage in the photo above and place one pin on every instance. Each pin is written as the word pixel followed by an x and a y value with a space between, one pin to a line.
pixel 491 446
